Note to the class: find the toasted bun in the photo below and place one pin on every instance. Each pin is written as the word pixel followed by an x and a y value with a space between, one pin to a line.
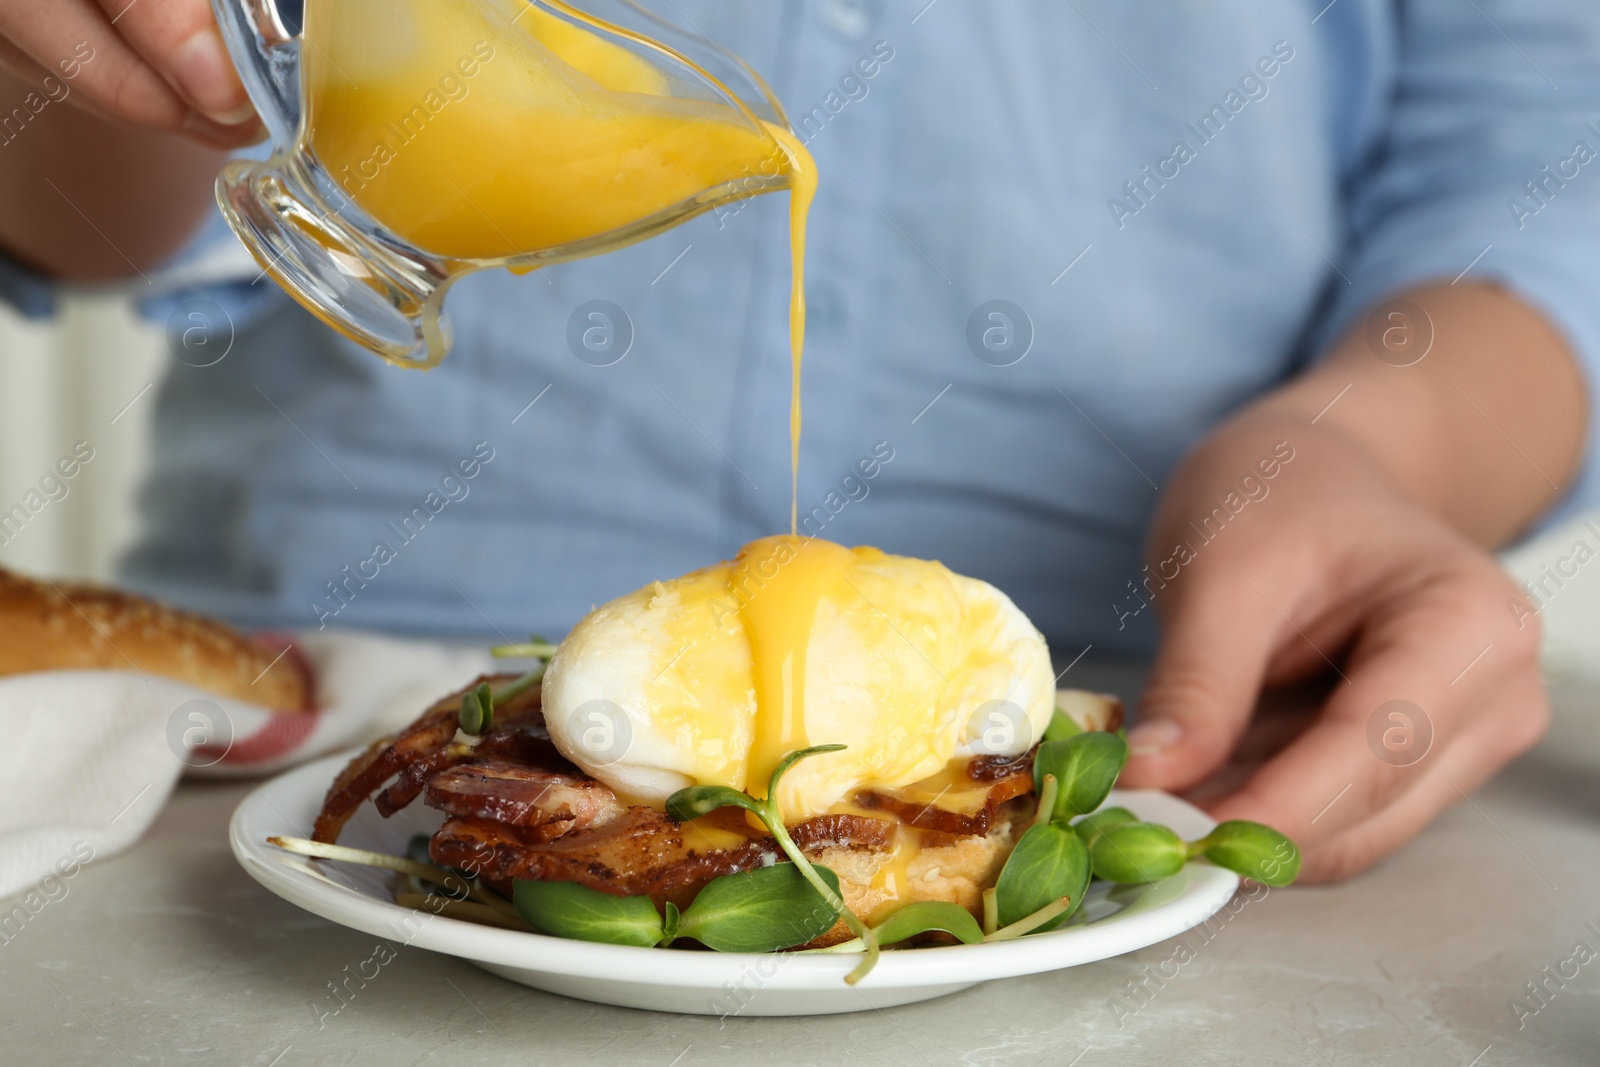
pixel 1090 710
pixel 947 868
pixel 60 626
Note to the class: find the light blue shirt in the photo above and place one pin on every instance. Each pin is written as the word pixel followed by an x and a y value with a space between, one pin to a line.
pixel 1179 203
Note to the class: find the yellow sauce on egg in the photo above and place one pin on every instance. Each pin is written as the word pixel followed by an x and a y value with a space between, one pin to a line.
pixel 780 582
pixel 799 642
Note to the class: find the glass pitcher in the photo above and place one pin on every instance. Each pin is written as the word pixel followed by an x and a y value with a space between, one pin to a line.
pixel 415 141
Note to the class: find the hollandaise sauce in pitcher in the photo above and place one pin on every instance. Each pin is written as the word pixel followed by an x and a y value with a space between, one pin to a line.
pixel 503 130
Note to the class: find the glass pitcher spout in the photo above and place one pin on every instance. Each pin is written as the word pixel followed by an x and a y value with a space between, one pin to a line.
pixel 415 141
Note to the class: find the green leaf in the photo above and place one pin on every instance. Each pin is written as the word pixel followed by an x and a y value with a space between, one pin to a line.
pixel 926 916
pixel 760 910
pixel 669 928
pixel 1091 827
pixel 566 909
pixel 477 710
pixel 1086 767
pixel 1138 852
pixel 1047 864
pixel 698 800
pixel 1061 727
pixel 1253 850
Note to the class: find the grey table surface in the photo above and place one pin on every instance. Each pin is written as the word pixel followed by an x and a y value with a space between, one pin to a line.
pixel 170 954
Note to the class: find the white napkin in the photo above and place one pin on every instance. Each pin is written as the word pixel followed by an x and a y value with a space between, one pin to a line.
pixel 90 757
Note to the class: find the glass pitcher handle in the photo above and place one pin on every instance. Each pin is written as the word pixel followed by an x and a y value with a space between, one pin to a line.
pixel 255 32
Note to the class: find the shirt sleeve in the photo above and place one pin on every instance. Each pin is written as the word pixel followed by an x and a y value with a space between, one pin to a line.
pixel 1489 169
pixel 30 294
pixel 213 266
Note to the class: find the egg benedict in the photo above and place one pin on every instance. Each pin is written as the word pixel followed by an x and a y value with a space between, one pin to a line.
pixel 937 686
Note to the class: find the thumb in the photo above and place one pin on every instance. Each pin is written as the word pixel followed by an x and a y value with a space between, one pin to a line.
pixel 1203 686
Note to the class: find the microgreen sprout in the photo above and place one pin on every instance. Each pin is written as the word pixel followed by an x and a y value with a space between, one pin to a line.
pixel 1138 852
pixel 1047 799
pixel 695 801
pixel 930 916
pixel 1250 849
pixel 478 704
pixel 519 686
pixel 916 919
pixel 477 710
pixel 1050 913
pixel 538 648
pixel 452 881
pixel 570 910
pixel 761 910
pixel 1086 765
pixel 765 909
pixel 1092 826
pixel 1048 863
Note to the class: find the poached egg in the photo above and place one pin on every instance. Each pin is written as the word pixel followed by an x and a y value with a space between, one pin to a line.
pixel 714 677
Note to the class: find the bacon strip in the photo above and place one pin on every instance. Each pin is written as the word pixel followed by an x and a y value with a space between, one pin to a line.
pixel 544 803
pixel 422 740
pixel 928 816
pixel 409 785
pixel 995 768
pixel 526 741
pixel 640 852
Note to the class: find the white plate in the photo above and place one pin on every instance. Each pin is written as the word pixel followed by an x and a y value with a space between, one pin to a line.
pixel 1113 921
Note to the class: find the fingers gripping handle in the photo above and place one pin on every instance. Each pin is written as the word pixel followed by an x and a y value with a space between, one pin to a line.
pixel 268 57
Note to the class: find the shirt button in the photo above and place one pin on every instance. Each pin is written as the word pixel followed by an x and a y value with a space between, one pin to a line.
pixel 850 20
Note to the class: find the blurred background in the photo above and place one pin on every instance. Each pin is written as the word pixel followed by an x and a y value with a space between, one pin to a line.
pixel 90 375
